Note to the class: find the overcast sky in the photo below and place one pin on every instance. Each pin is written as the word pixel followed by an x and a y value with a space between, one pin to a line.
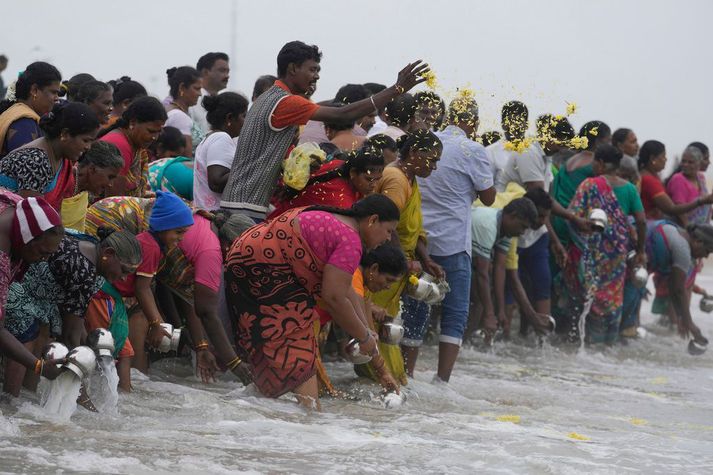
pixel 642 64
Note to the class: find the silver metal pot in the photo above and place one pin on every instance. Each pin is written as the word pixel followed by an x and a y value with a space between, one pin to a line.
pixel 56 351
pixel 81 361
pixel 695 348
pixel 101 341
pixel 706 304
pixel 639 277
pixel 391 333
pixel 170 344
pixel 599 217
pixel 354 353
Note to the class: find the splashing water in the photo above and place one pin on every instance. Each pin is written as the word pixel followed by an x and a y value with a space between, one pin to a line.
pixel 103 386
pixel 61 398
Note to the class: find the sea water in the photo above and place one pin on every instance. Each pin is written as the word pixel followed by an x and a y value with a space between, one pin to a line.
pixel 645 407
pixel 60 398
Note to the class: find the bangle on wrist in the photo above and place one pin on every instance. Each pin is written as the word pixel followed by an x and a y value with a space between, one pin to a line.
pixel 154 323
pixel 39 366
pixel 201 345
pixel 232 364
pixel 399 89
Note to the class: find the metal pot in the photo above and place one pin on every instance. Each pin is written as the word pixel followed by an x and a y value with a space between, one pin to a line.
pixel 81 361
pixel 354 353
pixel 56 351
pixel 639 277
pixel 170 344
pixel 101 341
pixel 599 217
pixel 707 304
pixel 429 289
pixel 391 333
pixel 696 349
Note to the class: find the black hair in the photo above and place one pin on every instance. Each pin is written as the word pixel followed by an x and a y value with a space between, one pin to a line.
pixel 220 105
pixel 376 204
pixel 400 110
pixel 595 131
pixel 381 142
pixel 74 117
pixel 70 87
pixel 90 91
pixel 390 259
pixel 170 139
pixel 421 140
pixel 619 136
pixel 522 208
pixel 339 124
pixel 649 150
pixel 700 146
pixel 514 116
pixel 262 84
pixel 142 109
pixel 552 127
pixel 374 88
pixel 126 88
pixel 296 52
pixel 539 197
pixel 490 137
pixel 207 61
pixel 359 160
pixel 428 98
pixel 609 155
pixel 40 74
pixel 181 76
pixel 514 109
pixel 102 155
pixel 3 58
pixel 350 93
pixel 463 110
pixel 703 233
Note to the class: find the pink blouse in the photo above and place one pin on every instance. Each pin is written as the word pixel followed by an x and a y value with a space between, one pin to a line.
pixel 332 241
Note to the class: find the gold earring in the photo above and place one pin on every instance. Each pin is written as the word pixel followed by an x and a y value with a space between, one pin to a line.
pixel 229 124
pixel 104 258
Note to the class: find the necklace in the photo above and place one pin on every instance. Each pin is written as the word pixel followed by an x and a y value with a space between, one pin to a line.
pixel 178 106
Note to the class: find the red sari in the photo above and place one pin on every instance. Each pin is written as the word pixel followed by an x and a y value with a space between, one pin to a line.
pixel 271 278
pixel 64 185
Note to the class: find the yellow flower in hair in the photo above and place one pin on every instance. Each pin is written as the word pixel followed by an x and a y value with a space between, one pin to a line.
pixel 579 142
pixel 571 108
pixel 431 81
pixel 518 146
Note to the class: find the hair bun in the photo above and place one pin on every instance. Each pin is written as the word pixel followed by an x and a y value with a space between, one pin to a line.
pixel 211 103
pixel 171 71
pixel 104 232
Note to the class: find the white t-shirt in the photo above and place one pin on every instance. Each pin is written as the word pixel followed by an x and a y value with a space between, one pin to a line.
pixel 180 120
pixel 216 149
pixel 530 165
pixel 498 157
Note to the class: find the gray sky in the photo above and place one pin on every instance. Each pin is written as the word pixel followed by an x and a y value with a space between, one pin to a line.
pixel 642 64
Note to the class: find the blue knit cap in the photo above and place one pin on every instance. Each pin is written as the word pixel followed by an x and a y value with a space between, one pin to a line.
pixel 169 212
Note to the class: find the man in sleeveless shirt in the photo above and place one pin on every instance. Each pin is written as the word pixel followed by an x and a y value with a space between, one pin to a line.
pixel 272 123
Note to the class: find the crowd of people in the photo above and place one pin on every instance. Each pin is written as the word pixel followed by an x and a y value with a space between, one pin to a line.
pixel 276 231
